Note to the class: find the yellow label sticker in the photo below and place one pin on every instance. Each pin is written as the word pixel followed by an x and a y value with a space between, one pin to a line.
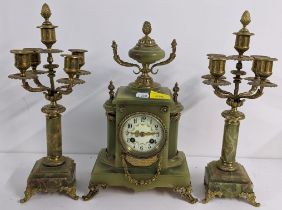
pixel 156 95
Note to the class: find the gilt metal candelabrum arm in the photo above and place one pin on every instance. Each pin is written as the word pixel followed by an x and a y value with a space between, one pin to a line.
pixel 253 93
pixel 27 87
pixel 227 170
pixel 35 60
pixel 221 93
pixel 55 172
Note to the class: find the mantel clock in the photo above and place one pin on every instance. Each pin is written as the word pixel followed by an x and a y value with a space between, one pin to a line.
pixel 142 127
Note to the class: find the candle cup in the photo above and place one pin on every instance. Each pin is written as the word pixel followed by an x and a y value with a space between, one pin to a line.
pixel 35 58
pixel 217 65
pixel 242 42
pixel 48 35
pixel 22 60
pixel 256 62
pixel 262 66
pixel 71 64
pixel 81 54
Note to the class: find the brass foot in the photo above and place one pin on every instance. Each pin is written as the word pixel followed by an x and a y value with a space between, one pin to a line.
pixel 93 191
pixel 69 191
pixel 186 194
pixel 250 198
pixel 27 194
pixel 211 195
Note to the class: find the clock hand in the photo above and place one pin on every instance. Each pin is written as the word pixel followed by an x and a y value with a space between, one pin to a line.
pixel 151 133
pixel 141 133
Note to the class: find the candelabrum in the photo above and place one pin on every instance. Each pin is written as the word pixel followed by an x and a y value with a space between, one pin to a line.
pixel 55 172
pixel 226 177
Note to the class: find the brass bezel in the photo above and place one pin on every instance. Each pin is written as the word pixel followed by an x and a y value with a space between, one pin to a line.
pixel 128 150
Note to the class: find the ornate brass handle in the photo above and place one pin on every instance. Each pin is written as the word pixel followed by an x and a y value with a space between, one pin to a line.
pixel 167 61
pixel 121 62
pixel 140 182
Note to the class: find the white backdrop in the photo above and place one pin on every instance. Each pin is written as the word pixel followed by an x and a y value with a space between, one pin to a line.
pixel 200 27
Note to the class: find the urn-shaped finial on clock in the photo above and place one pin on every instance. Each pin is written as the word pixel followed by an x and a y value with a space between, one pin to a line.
pixel 142 127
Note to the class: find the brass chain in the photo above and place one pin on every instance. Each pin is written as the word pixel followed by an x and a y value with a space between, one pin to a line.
pixel 140 182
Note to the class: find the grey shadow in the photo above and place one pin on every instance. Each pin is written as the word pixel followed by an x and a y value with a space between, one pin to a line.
pixel 190 92
pixel 17 181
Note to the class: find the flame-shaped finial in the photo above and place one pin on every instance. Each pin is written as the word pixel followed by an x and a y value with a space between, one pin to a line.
pixel 173 43
pixel 246 18
pixel 111 88
pixel 175 92
pixel 45 11
pixel 147 28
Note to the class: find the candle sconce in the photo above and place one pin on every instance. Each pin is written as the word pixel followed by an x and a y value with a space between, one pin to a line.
pixel 226 177
pixel 55 172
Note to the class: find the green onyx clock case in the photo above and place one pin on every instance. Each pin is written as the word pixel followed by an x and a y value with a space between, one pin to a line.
pixel 142 128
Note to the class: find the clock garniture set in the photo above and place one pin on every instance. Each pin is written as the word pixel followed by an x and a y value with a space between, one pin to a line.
pixel 142 121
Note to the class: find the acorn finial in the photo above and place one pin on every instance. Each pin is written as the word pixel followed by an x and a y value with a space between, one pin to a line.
pixel 45 12
pixel 246 18
pixel 147 28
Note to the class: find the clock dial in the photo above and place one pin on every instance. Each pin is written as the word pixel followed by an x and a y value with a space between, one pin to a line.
pixel 142 134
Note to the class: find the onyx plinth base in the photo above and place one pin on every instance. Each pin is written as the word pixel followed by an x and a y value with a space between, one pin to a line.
pixel 51 179
pixel 228 184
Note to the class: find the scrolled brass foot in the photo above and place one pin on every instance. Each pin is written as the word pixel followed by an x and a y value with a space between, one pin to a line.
pixel 250 198
pixel 93 191
pixel 70 192
pixel 186 194
pixel 27 194
pixel 211 195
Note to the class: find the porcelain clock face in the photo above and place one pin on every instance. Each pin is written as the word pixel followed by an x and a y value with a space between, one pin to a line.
pixel 142 134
